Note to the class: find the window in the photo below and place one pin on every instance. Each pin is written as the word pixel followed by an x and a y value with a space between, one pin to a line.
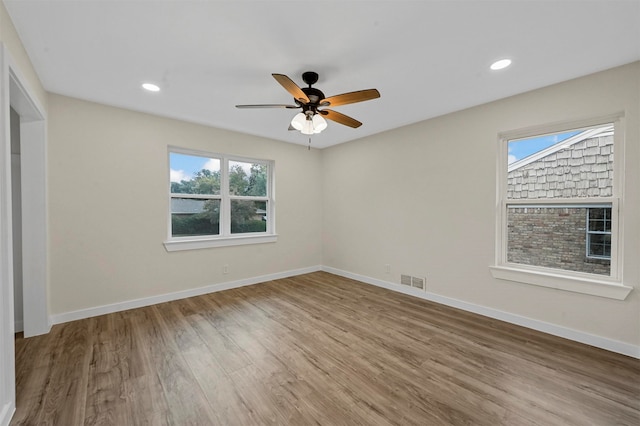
pixel 599 233
pixel 218 200
pixel 557 219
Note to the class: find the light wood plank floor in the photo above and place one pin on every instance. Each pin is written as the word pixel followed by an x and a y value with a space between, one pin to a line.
pixel 315 349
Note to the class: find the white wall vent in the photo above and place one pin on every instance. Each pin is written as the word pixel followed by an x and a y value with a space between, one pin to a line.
pixel 405 279
pixel 417 282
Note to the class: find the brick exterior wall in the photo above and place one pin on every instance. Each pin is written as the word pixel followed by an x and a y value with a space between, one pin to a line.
pixel 551 237
pixel 556 237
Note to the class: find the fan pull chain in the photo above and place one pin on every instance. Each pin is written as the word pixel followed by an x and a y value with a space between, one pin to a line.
pixel 309 147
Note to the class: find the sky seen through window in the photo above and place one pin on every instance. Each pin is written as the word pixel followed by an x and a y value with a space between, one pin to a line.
pixel 184 167
pixel 522 148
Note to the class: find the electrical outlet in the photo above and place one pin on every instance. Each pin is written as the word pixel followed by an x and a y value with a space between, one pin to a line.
pixel 225 269
pixel 387 268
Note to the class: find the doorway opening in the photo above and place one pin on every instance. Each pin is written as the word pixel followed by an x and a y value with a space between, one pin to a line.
pixel 30 212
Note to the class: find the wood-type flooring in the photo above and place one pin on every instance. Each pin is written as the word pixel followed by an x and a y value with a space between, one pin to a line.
pixel 315 349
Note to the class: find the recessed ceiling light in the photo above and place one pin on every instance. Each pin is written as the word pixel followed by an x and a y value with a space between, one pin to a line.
pixel 150 87
pixel 502 63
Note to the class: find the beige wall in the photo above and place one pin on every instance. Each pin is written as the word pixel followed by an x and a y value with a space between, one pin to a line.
pixel 9 37
pixel 422 199
pixel 108 203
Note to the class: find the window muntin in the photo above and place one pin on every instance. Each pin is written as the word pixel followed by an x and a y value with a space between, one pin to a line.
pixel 218 196
pixel 547 195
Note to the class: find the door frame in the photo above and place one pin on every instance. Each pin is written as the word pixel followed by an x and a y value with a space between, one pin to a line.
pixel 15 93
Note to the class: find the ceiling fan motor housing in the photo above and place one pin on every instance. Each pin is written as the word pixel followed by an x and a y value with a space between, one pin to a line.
pixel 314 95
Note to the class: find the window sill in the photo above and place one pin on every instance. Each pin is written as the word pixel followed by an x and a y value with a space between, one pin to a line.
pixel 576 284
pixel 201 243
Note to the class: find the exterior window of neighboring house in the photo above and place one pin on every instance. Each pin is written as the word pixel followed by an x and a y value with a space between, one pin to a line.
pixel 599 233
pixel 216 197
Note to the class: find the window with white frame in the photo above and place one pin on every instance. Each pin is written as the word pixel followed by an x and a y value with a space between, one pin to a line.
pixel 217 199
pixel 558 210
pixel 599 233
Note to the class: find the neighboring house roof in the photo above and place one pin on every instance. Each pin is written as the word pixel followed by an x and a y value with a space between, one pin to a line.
pixel 186 206
pixel 587 134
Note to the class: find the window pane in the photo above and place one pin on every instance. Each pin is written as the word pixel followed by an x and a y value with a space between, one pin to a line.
pixel 193 174
pixel 597 214
pixel 192 216
pixel 600 219
pixel 554 237
pixel 574 164
pixel 247 179
pixel 248 216
pixel 596 225
pixel 600 245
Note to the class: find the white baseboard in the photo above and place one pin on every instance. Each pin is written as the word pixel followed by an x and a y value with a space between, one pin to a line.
pixel 545 327
pixel 6 413
pixel 168 297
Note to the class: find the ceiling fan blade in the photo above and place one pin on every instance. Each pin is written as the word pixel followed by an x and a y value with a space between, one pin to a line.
pixel 351 97
pixel 340 118
pixel 268 106
pixel 292 88
pixel 291 128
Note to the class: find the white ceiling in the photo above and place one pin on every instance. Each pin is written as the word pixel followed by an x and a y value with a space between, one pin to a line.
pixel 426 58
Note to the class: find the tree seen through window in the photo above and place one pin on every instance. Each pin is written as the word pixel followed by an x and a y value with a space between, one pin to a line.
pixel 201 214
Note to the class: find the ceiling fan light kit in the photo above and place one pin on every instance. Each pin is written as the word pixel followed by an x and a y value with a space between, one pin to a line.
pixel 308 123
pixel 312 120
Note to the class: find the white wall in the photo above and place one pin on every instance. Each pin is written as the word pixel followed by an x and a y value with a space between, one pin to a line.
pixel 422 199
pixel 108 203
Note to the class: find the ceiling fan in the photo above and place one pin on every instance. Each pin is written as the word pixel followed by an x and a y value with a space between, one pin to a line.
pixel 312 119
